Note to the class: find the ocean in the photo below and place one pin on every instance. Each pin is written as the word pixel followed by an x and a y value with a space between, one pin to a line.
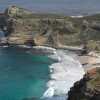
pixel 22 75
pixel 25 76
pixel 67 7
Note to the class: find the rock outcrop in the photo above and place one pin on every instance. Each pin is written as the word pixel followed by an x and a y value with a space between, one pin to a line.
pixel 21 25
pixel 87 88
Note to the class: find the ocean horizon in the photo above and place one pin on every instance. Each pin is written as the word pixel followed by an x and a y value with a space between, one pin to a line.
pixel 67 7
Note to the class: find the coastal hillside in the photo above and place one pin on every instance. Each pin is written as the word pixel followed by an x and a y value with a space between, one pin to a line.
pixel 21 26
pixel 87 88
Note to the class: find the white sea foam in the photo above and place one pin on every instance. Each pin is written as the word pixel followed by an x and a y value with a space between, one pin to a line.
pixel 79 16
pixel 63 75
pixel 42 50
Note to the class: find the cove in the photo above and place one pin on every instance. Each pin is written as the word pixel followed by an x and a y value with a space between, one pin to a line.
pixel 22 75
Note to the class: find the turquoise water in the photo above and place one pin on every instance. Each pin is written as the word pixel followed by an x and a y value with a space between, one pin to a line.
pixel 22 75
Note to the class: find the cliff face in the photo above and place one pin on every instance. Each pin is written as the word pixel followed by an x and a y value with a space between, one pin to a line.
pixel 52 30
pixel 88 88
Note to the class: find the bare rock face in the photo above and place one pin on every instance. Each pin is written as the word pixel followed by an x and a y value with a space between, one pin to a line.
pixel 21 25
pixel 88 88
pixel 14 11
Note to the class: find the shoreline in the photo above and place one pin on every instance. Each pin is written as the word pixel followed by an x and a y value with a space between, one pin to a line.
pixel 88 61
pixel 59 84
pixel 55 66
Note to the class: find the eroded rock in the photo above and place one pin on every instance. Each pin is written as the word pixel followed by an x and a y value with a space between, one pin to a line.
pixel 49 29
pixel 87 88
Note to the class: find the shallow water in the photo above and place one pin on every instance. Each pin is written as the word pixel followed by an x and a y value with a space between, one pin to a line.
pixel 22 75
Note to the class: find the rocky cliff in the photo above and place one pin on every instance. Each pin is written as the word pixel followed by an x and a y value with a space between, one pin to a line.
pixel 21 25
pixel 87 88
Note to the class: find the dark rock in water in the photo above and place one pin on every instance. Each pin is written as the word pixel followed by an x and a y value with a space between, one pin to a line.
pixel 87 88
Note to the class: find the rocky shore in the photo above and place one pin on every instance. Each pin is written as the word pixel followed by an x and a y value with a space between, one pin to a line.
pixel 87 88
pixel 23 28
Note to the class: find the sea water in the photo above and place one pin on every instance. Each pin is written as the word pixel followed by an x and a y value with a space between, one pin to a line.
pixel 25 76
pixel 22 75
pixel 68 7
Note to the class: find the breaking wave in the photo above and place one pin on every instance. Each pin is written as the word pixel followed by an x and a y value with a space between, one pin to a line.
pixel 64 74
